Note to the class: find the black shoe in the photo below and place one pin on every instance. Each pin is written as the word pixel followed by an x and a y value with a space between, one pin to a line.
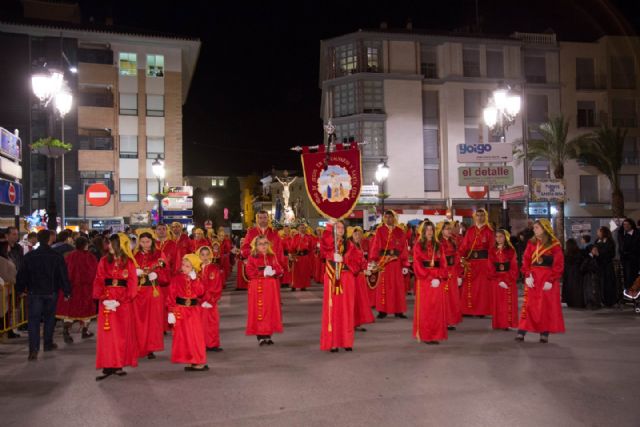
pixel 400 316
pixel 214 349
pixel 431 342
pixel 269 342
pixel 451 328
pixel 67 338
pixel 151 356
pixel 88 334
pixel 482 316
pixel 293 289
pixel 194 369
pixel 263 342
pixel 105 374
pixel 334 350
pixel 348 349
pixel 304 289
pixel 51 347
pixel 12 334
pixel 544 340
pixel 519 338
pixel 381 315
pixel 33 355
pixel 360 329
pixel 119 372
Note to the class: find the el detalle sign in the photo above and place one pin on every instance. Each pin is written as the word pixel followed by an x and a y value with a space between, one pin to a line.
pixel 485 175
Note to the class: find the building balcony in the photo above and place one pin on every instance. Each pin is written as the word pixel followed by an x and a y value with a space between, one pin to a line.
pixel 96 117
pixel 96 160
pixel 96 74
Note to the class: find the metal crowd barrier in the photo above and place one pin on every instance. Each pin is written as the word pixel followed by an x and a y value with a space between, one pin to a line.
pixel 12 308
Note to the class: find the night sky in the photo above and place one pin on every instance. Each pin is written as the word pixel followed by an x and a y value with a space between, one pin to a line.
pixel 255 91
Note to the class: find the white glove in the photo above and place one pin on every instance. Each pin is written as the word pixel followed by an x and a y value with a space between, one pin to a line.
pixel 337 258
pixel 193 275
pixel 153 276
pixel 139 272
pixel 547 286
pixel 435 283
pixel 268 271
pixel 171 319
pixel 529 281
pixel 110 304
pixel 503 285
pixel 206 305
pixel 1 281
pixel 459 281
pixel 367 272
pixel 405 271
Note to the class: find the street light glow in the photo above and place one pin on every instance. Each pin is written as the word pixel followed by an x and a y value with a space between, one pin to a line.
pixel 490 115
pixel 158 168
pixel 500 98
pixel 382 172
pixel 40 84
pixel 208 201
pixel 513 105
pixel 62 101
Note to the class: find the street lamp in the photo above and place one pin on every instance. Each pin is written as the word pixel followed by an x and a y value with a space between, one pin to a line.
pixel 500 113
pixel 382 173
pixel 157 166
pixel 47 87
pixel 208 200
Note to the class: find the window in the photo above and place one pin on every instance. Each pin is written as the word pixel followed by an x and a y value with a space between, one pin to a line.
pixel 623 113
pixel 630 151
pixel 537 110
pixel 472 104
pixel 153 188
pixel 128 146
pixel 95 56
pixel 535 69
pixel 128 190
pixel 588 189
pixel 217 182
pixel 472 135
pixel 586 114
pixel 495 64
pixel 88 142
pixel 91 177
pixel 372 97
pixel 429 62
pixel 128 64
pixel 344 100
pixel 345 131
pixel 155 147
pixel 128 104
pixel 471 62
pixel 540 169
pixel 629 187
pixel 95 98
pixel 623 74
pixel 585 74
pixel 373 135
pixel 155 105
pixel 155 65
pixel 373 50
pixel 347 58
pixel 430 146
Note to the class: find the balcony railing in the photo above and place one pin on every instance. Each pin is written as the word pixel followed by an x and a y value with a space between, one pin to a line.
pixel 536 38
pixel 95 142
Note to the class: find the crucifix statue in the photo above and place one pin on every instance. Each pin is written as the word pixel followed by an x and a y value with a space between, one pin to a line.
pixel 285 188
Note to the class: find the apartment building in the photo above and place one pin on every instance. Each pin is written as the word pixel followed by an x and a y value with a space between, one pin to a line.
pixel 128 89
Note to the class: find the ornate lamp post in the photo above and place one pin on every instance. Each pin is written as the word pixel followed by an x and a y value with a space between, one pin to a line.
pixel 159 172
pixel 500 113
pixel 382 173
pixel 208 201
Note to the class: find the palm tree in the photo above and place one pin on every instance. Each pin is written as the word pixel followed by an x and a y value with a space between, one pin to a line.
pixel 553 146
pixel 604 151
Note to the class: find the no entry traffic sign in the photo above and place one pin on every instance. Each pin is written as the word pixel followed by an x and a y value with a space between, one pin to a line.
pixel 98 194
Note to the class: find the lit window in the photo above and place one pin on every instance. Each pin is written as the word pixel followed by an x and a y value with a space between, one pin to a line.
pixel 128 64
pixel 128 190
pixel 373 50
pixel 155 65
pixel 347 58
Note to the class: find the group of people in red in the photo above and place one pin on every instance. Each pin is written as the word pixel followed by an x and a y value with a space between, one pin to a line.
pixel 167 282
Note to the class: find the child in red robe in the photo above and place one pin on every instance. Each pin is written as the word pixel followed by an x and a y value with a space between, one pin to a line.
pixel 184 314
pixel 453 278
pixel 502 277
pixel 362 313
pixel 242 281
pixel 264 317
pixel 115 286
pixel 211 276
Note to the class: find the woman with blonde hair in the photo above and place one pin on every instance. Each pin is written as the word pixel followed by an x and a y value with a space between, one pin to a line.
pixel 503 274
pixel 211 277
pixel 542 267
pixel 264 317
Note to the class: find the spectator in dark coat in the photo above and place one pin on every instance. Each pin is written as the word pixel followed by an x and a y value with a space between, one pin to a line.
pixel 572 287
pixel 42 275
pixel 64 243
pixel 590 271
pixel 629 250
pixel 606 254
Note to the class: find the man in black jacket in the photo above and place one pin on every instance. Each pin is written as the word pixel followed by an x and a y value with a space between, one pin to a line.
pixel 41 276
pixel 629 249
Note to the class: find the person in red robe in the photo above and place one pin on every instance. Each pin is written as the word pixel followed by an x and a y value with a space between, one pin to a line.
pixel 211 276
pixel 264 317
pixel 429 319
pixel 342 267
pixel 149 305
pixel 301 247
pixel 362 313
pixel 262 228
pixel 542 267
pixel 81 267
pixel 183 301
pixel 371 282
pixel 477 294
pixel 225 251
pixel 115 286
pixel 452 269
pixel 502 278
pixel 390 254
pixel 199 239
pixel 286 239
pixel 184 245
pixel 168 248
pixel 242 281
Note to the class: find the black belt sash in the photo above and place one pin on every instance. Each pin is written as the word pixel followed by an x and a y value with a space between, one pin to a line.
pixel 391 252
pixel 427 264
pixel 115 283
pixel 186 302
pixel 302 253
pixel 451 260
pixel 484 254
pixel 502 266
pixel 546 261
pixel 285 252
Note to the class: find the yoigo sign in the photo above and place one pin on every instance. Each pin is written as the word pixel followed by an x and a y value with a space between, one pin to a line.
pixel 479 153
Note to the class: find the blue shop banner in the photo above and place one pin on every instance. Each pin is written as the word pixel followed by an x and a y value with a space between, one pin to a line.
pixel 10 193
pixel 10 145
